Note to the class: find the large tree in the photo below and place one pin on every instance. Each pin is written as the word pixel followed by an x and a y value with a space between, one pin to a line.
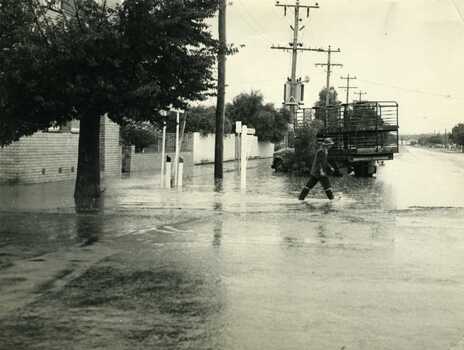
pixel 249 108
pixel 128 61
pixel 457 134
pixel 271 124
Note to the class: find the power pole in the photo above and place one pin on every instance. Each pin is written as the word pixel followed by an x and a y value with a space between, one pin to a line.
pixel 329 66
pixel 348 87
pixel 360 94
pixel 295 47
pixel 221 91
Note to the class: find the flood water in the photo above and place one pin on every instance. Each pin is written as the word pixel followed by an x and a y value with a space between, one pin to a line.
pixel 381 267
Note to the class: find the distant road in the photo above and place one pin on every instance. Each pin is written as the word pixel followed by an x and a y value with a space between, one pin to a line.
pixel 425 177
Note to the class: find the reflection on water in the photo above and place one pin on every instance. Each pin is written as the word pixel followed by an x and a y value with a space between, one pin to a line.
pixel 89 228
pixel 321 233
pixel 218 224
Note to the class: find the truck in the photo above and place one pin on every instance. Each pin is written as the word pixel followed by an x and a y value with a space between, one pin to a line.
pixel 365 134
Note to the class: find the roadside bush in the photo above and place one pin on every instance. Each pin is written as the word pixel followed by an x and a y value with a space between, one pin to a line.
pixel 284 160
pixel 305 146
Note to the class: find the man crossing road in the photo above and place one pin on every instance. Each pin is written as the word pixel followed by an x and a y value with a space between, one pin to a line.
pixel 319 171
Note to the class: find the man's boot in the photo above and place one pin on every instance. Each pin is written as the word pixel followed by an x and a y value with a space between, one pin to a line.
pixel 303 193
pixel 329 194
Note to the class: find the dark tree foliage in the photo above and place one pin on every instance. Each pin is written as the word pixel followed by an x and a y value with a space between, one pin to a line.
pixel 245 107
pixel 23 73
pixel 199 119
pixel 457 134
pixel 270 124
pixel 431 140
pixel 203 119
pixel 139 134
pixel 128 62
pixel 363 116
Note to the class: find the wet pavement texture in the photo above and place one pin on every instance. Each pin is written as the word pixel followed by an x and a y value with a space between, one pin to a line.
pixel 381 267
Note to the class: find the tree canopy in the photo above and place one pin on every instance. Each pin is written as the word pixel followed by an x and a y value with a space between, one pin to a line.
pixel 457 134
pixel 139 134
pixel 199 119
pixel 249 108
pixel 128 61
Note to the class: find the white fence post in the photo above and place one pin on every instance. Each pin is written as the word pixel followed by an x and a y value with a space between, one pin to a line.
pixel 238 142
pixel 243 158
pixel 167 177
pixel 176 160
pixel 180 174
pixel 163 155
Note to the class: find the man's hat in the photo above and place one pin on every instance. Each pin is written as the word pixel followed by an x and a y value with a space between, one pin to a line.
pixel 328 142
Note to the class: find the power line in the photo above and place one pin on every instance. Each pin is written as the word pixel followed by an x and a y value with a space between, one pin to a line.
pixel 461 16
pixel 252 22
pixel 416 91
pixel 247 20
pixel 360 95
pixel 253 18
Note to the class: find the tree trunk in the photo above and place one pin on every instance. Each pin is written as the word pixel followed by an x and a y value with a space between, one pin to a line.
pixel 87 189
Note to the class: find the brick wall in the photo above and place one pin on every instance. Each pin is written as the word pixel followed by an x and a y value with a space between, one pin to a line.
pixel 112 151
pixel 42 157
pixel 49 157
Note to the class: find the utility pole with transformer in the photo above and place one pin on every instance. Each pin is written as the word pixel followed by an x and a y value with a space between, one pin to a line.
pixel 294 87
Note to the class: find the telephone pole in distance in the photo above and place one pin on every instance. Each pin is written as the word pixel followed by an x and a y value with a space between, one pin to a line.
pixel 348 87
pixel 360 94
pixel 329 66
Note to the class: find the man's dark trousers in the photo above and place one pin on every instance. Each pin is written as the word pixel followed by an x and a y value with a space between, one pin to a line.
pixel 313 180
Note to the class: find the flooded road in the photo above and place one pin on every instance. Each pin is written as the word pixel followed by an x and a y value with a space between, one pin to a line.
pixel 379 268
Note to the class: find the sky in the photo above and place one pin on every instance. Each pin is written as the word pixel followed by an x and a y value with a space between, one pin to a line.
pixel 409 51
